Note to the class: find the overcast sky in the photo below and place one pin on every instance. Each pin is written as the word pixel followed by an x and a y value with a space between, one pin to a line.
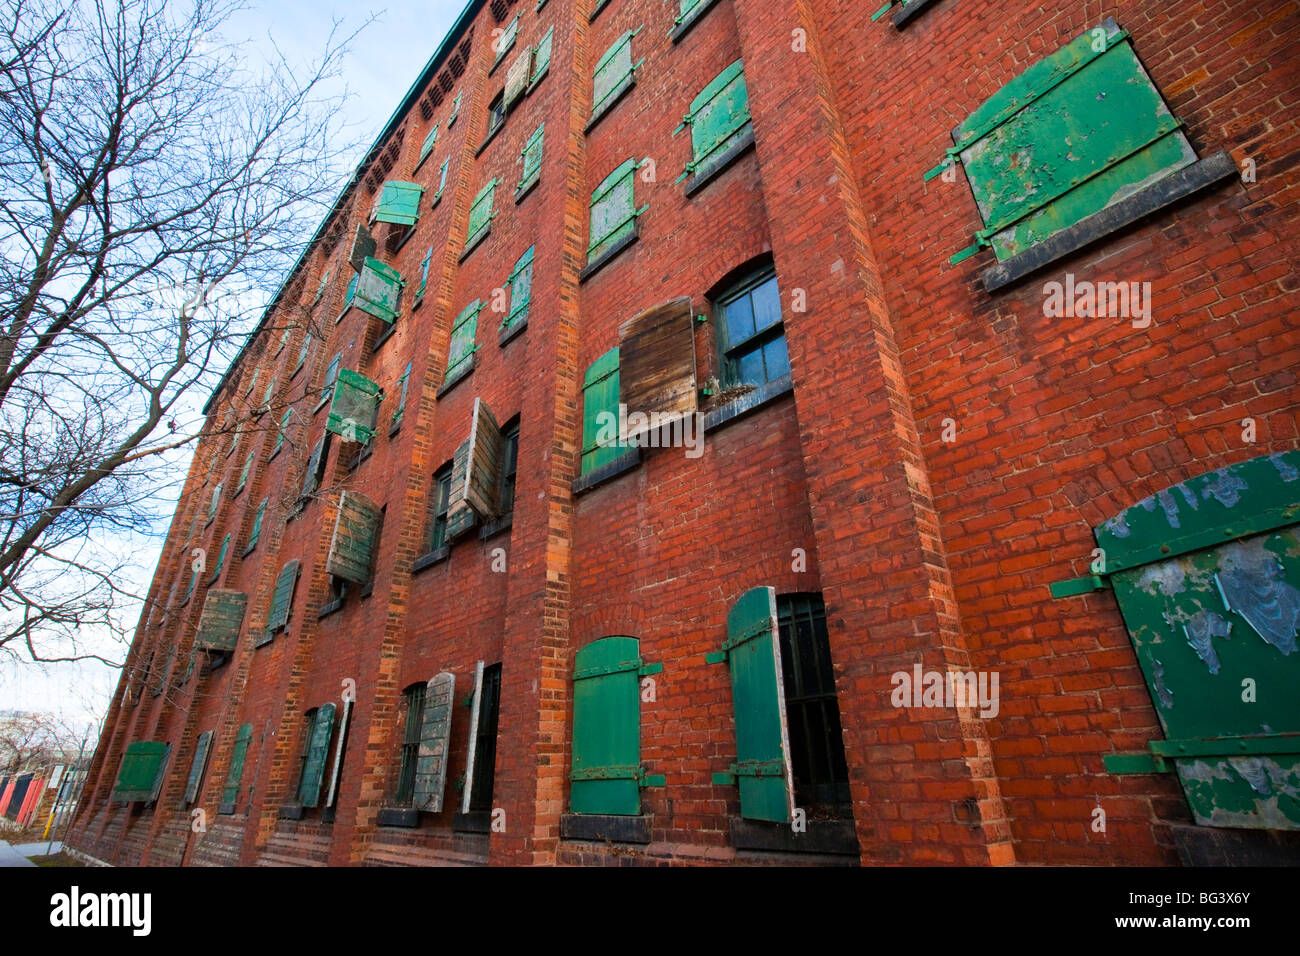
pixel 384 60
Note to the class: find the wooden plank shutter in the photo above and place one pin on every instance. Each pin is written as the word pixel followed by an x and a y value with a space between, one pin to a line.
pixel 506 40
pixel 363 247
pixel 531 158
pixel 398 203
pixel 221 620
pixel 521 289
pixel 599 394
pixel 352 544
pixel 657 363
pixel 141 774
pixel 542 57
pixel 379 290
pixel 460 516
pixel 310 477
pixel 613 73
pixel 606 775
pixel 517 76
pixel 238 753
pixel 435 732
pixel 201 751
pixel 424 273
pixel 463 334
pixel 613 209
pixel 480 214
pixel 719 118
pixel 256 532
pixel 282 597
pixel 763 770
pixel 318 751
pixel 354 407
pixel 427 146
pixel 340 749
pixel 475 715
pixel 243 472
pixel 474 483
pixel 216 502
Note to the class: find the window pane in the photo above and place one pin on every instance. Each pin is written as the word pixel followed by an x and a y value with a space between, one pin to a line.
pixel 767 305
pixel 740 320
pixel 749 368
pixel 777 358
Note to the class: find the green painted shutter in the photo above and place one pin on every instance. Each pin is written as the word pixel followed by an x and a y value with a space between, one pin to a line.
pixel 753 653
pixel 481 214
pixel 318 751
pixel 238 754
pixel 442 181
pixel 284 424
pixel 686 7
pixel 600 394
pixel 221 620
pixel 427 146
pixel 401 394
pixel 398 203
pixel 1120 135
pixel 323 285
pixel 201 750
pixel 352 544
pixel 282 598
pixel 194 580
pixel 506 41
pixel 243 472
pixel 331 376
pixel 613 210
pixel 257 524
pixel 521 289
pixel 462 346
pixel 252 383
pixel 424 273
pixel 216 501
pixel 363 247
pixel 221 555
pixel 284 340
pixel 354 407
pixel 606 775
pixel 311 474
pixel 141 774
pixel 531 158
pixel 455 109
pixel 613 74
pixel 719 119
pixel 269 393
pixel 542 57
pixel 435 734
pixel 351 295
pixel 302 352
pixel 379 290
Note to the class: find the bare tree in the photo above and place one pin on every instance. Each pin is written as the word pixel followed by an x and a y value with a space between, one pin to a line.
pixel 154 189
pixel 35 739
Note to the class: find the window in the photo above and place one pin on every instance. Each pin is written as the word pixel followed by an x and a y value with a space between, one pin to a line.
pixel 521 290
pixel 615 74
pixel 257 526
pixel 427 146
pixel 460 353
pixel 531 160
pixel 280 435
pixel 413 698
pixel 480 217
pixel 331 376
pixel 750 333
pixel 599 402
pixel 441 499
pixel 400 410
pixel 318 730
pixel 221 558
pixel 442 181
pixel 479 796
pixel 720 124
pixel 496 113
pixel 613 215
pixel 243 472
pixel 509 468
pixel 1093 94
pixel 238 754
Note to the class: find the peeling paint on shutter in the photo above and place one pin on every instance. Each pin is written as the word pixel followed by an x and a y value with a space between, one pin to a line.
pixel 481 214
pixel 531 159
pixel 398 203
pixel 719 118
pixel 435 734
pixel 427 146
pixel 238 754
pixel 221 620
pixel 352 544
pixel 424 273
pixel 474 484
pixel 517 76
pixel 753 651
pixel 600 394
pixel 460 516
pixel 363 247
pixel 463 334
pixel 506 40
pixel 354 407
pixel 318 751
pixel 282 598
pixel 201 750
pixel 613 209
pixel 521 289
pixel 613 74
pixel 475 715
pixel 657 363
pixel 542 57
pixel 606 774
pixel 379 290
pixel 243 472
pixel 402 384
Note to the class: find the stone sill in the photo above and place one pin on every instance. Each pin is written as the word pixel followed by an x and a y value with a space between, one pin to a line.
pixel 604 828
pixel 612 101
pixel 910 11
pixel 738 408
pixel 832 837
pixel 595 265
pixel 727 160
pixel 476 821
pixel 496 527
pixel 627 461
pixel 459 377
pixel 509 333
pixel 681 29
pixel 398 817
pixel 437 556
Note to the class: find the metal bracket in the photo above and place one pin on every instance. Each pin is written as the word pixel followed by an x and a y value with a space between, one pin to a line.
pixel 1083 585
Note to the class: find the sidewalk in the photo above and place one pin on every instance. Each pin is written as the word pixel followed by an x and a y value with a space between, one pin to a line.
pixel 11 857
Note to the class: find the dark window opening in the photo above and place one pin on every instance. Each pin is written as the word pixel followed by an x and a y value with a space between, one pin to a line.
pixel 750 331
pixel 496 113
pixel 441 498
pixel 485 744
pixel 414 698
pixel 509 468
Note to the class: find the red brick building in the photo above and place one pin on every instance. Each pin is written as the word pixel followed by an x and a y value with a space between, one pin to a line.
pixel 458 622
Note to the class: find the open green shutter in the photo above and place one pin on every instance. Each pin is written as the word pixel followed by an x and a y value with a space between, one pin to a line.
pixel 762 769
pixel 141 774
pixel 613 210
pixel 427 146
pixel 311 474
pixel 719 119
pixel 256 531
pixel 353 409
pixel 599 395
pixel 521 289
pixel 480 215
pixel 221 620
pixel 606 775
pixel 379 290
pixel 282 598
pixel 435 734
pixel 542 57
pixel 424 273
pixel 400 410
pixel 238 753
pixel 201 750
pixel 318 751
pixel 398 203
pixel 463 333
pixel 243 472
pixel 352 544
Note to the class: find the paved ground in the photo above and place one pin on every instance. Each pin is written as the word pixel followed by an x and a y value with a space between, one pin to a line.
pixel 43 848
pixel 11 857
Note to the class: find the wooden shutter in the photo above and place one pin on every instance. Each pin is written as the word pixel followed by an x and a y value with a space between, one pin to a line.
pixel 424 273
pixel 719 118
pixel 221 620
pixel 506 40
pixel 340 749
pixel 455 109
pixel 310 477
pixel 352 545
pixel 517 76
pixel 282 598
pixel 753 651
pixel 257 523
pixel 141 774
pixel 427 146
pixel 599 394
pixel 354 407
pixel 379 290
pixel 475 715
pixel 521 289
pixel 398 203
pixel 318 752
pixel 284 423
pixel 474 482
pixel 480 214
pixel 657 362
pixel 238 753
pixel 613 73
pixel 216 502
pixel 460 516
pixel 201 751
pixel 363 247
pixel 402 384
pixel 243 472
pixel 613 210
pixel 606 775
pixel 542 57
pixel 462 346
pixel 531 158
pixel 435 732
